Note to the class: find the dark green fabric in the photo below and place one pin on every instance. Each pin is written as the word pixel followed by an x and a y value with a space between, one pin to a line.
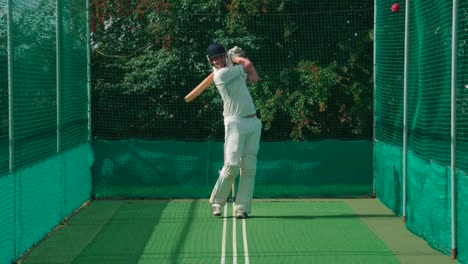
pixel 135 168
pixel 36 199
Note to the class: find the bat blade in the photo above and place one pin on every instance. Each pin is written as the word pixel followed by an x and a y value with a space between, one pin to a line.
pixel 199 89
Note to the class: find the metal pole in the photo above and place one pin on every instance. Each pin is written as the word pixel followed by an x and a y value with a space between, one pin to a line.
pixel 453 128
pixel 405 110
pixel 88 70
pixel 58 46
pixel 11 134
pixel 374 101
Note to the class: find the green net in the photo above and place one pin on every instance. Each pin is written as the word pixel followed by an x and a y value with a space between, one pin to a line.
pixel 315 63
pixel 314 99
pixel 314 58
pixel 177 169
pixel 429 80
pixel 43 119
pixel 388 110
pixel 34 81
pixel 47 66
pixel 462 87
pixel 74 64
pixel 429 83
pixel 7 218
pixel 36 199
pixel 462 131
pixel 389 71
pixel 429 88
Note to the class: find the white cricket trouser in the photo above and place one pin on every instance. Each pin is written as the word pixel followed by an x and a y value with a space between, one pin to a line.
pixel 242 141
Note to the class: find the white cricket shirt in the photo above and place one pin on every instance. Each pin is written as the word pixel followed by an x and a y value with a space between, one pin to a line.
pixel 231 84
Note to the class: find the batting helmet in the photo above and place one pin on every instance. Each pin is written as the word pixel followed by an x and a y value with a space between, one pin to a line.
pixel 215 49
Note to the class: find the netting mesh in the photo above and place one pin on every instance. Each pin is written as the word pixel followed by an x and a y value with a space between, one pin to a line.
pixel 429 83
pixel 74 63
pixel 462 131
pixel 43 119
pixel 34 85
pixel 33 80
pixel 429 88
pixel 315 63
pixel 462 87
pixel 389 71
pixel 314 58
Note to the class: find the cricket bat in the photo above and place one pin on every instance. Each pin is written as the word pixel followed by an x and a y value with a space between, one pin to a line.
pixel 199 89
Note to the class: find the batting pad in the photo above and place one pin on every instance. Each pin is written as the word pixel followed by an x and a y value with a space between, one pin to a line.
pixel 223 185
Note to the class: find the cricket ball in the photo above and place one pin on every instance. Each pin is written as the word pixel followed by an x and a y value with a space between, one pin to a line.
pixel 395 7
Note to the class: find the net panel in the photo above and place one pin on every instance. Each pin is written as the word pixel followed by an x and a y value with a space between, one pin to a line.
pixel 7 218
pixel 37 198
pixel 462 132
pixel 389 74
pixel 74 90
pixel 388 111
pixel 429 89
pixel 48 181
pixel 315 63
pixel 314 58
pixel 429 84
pixel 34 85
pixel 388 175
pixel 177 169
pixel 35 74
pixel 429 117
pixel 428 205
pixel 462 87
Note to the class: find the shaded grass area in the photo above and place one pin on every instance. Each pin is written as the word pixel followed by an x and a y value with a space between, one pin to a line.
pixel 102 232
pixel 391 229
pixel 278 231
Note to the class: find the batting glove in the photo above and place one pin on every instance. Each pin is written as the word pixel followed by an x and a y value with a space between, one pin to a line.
pixel 236 51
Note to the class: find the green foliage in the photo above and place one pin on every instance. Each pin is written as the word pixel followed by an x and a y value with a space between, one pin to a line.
pixel 303 98
pixel 328 101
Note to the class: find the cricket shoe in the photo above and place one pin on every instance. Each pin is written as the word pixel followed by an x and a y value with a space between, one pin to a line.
pixel 216 209
pixel 240 214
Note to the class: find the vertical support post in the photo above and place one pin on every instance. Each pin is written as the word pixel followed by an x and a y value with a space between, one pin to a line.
pixel 88 68
pixel 11 112
pixel 58 49
pixel 58 98
pixel 405 111
pixel 374 101
pixel 453 128
pixel 11 123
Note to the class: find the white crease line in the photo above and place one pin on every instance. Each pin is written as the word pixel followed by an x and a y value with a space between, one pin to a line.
pixel 244 235
pixel 234 238
pixel 223 242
